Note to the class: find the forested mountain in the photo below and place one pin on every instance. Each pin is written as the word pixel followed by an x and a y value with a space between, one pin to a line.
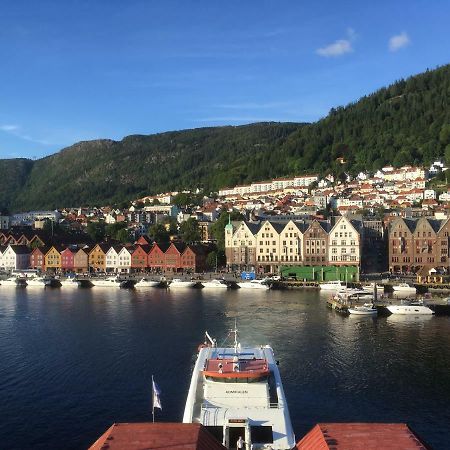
pixel 407 122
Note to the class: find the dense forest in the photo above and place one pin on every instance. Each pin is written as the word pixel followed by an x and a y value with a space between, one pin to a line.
pixel 407 122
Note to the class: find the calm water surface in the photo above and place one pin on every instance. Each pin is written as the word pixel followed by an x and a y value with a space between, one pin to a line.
pixel 74 361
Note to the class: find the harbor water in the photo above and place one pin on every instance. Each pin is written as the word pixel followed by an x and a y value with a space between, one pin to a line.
pixel 73 361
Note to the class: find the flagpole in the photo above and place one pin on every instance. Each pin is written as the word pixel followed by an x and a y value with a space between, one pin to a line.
pixel 153 401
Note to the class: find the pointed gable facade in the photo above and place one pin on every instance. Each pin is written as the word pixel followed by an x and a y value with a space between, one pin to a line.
pixel 241 249
pixel 344 242
pixel 315 244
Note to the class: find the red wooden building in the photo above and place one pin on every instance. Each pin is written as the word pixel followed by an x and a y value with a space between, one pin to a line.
pixel 139 257
pixel 156 256
pixel 67 259
pixel 37 258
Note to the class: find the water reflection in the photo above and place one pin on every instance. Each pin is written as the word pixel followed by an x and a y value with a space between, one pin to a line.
pixel 90 354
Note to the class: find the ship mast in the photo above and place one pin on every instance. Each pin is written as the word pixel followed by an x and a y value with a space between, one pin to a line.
pixel 235 331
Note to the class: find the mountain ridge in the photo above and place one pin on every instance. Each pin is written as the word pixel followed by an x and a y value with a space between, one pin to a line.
pixel 407 122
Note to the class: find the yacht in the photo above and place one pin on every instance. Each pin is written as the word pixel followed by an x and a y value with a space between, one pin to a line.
pixel 237 392
pixel 334 285
pixel 107 282
pixel 145 283
pixel 37 282
pixel 410 308
pixel 179 283
pixel 12 281
pixel 69 282
pixel 364 310
pixel 404 288
pixel 254 284
pixel 215 284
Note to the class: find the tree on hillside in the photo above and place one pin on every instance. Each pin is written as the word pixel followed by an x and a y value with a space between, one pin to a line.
pixel 159 233
pixel 96 231
pixel 190 231
pixel 112 230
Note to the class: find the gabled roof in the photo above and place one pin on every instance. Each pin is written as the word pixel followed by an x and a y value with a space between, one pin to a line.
pixel 163 246
pixel 20 249
pixel 435 224
pixel 411 224
pixel 145 247
pixel 358 436
pixel 43 249
pixel 253 227
pixel 180 246
pixel 152 436
pixel 326 226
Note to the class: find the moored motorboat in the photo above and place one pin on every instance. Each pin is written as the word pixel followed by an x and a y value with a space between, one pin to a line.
pixel 70 282
pixel 179 283
pixel 410 308
pixel 370 287
pixel 334 285
pixel 114 282
pixel 37 282
pixel 237 392
pixel 363 310
pixel 254 284
pixel 215 284
pixel 13 281
pixel 404 288
pixel 145 283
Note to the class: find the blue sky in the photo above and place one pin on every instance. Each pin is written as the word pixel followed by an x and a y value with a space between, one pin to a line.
pixel 74 70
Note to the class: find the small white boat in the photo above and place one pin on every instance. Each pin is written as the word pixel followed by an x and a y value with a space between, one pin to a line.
pixel 334 285
pixel 370 287
pixel 411 309
pixel 215 284
pixel 254 284
pixel 12 281
pixel 364 310
pixel 404 288
pixel 70 282
pixel 114 282
pixel 179 283
pixel 37 282
pixel 145 283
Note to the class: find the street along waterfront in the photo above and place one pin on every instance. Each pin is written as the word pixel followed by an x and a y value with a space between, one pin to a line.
pixel 72 363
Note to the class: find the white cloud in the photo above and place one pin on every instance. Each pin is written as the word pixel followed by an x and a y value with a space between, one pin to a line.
pixel 339 47
pixel 16 130
pixel 398 41
pixel 9 128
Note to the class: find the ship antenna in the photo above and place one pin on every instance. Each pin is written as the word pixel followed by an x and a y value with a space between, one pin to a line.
pixel 235 336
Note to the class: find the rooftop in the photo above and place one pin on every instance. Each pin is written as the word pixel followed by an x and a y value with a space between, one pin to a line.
pixel 146 436
pixel 361 436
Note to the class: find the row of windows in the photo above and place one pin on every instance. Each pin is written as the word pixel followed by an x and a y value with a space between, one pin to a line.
pixel 343 234
pixel 343 250
pixel 275 258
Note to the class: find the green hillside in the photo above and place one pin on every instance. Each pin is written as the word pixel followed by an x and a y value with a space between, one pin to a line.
pixel 407 122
